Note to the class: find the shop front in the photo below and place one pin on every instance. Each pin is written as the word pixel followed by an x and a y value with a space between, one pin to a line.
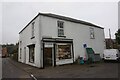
pixel 57 51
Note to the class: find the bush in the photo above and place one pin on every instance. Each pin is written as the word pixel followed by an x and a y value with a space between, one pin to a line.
pixel 15 56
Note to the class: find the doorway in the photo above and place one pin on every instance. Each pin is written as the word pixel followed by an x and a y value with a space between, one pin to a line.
pixel 47 56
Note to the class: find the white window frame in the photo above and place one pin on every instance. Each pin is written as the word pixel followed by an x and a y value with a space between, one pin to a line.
pixel 64 44
pixel 20 53
pixel 31 58
pixel 33 30
pixel 20 45
pixel 60 25
pixel 25 54
pixel 92 33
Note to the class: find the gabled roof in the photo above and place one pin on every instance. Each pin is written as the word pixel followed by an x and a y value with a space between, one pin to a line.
pixel 63 18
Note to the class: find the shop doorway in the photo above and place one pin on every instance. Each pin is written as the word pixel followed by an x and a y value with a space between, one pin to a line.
pixel 57 51
pixel 47 56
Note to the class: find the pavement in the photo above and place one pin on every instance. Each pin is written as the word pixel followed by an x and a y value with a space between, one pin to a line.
pixel 13 69
pixel 10 69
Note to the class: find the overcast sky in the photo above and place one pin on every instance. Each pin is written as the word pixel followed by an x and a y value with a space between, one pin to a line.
pixel 16 15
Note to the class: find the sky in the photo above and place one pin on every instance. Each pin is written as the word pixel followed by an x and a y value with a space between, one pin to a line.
pixel 15 15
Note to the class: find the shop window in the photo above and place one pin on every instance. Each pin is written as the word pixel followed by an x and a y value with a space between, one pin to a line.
pixel 31 54
pixel 64 52
pixel 92 35
pixel 60 28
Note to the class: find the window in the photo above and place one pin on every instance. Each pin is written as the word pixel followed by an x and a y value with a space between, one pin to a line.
pixel 20 53
pixel 31 53
pixel 92 35
pixel 64 52
pixel 33 30
pixel 20 43
pixel 60 25
pixel 24 50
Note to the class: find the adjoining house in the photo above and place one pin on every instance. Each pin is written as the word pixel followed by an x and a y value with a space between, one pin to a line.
pixel 4 52
pixel 111 43
pixel 50 40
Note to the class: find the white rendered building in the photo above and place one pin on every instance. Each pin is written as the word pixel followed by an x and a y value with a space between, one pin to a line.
pixel 51 39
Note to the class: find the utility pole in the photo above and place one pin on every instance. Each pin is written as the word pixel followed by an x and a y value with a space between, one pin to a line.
pixel 109 33
pixel 110 39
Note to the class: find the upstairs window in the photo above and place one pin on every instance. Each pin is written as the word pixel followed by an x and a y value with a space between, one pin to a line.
pixel 60 25
pixel 33 30
pixel 92 35
pixel 20 43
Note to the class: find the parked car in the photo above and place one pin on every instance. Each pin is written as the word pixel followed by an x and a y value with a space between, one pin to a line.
pixel 111 54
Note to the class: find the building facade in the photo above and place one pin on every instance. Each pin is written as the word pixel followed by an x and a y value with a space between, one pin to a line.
pixel 4 52
pixel 111 43
pixel 50 40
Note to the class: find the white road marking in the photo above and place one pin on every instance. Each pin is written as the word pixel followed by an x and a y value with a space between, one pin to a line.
pixel 33 77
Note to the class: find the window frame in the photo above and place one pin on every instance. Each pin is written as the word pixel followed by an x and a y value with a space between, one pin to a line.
pixel 33 30
pixel 20 53
pixel 60 28
pixel 30 53
pixel 64 46
pixel 20 43
pixel 92 33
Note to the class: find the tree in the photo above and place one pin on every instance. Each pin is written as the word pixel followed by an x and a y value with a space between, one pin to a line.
pixel 117 35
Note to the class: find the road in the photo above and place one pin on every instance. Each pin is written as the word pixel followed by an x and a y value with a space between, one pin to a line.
pixel 12 71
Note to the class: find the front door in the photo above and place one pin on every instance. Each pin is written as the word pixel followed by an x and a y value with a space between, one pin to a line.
pixel 47 56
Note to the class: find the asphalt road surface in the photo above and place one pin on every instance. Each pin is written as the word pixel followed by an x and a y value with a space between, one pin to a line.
pixel 13 69
pixel 10 70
